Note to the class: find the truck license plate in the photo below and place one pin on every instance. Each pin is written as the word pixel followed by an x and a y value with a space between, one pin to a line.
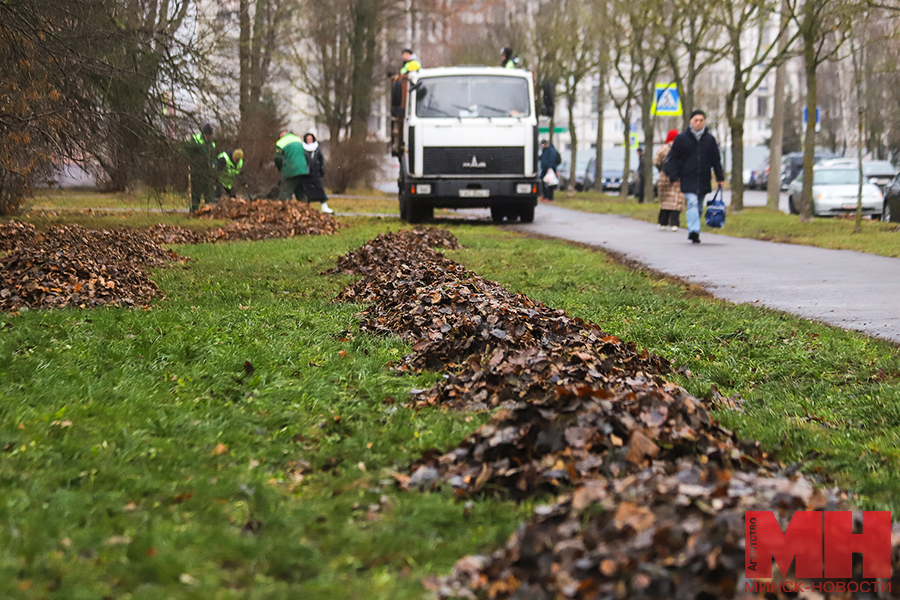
pixel 474 193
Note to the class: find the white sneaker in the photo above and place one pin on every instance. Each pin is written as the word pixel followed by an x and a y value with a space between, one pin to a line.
pixel 325 208
pixel 662 227
pixel 674 228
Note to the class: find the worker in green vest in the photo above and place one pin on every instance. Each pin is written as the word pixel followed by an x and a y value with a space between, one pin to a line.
pixel 507 59
pixel 229 165
pixel 410 62
pixel 290 160
pixel 200 151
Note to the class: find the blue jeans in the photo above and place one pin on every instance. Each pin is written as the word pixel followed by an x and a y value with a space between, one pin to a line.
pixel 694 211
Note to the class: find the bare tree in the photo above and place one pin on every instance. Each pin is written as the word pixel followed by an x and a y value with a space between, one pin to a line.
pixel 628 75
pixel 751 66
pixel 88 80
pixel 578 56
pixel 699 44
pixel 822 26
pixel 773 183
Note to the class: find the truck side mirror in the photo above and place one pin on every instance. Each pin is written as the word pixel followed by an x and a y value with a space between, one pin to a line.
pixel 396 97
pixel 548 107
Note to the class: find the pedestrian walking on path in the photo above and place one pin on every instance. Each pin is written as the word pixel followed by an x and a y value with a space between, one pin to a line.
pixel 694 154
pixel 671 200
pixel 550 160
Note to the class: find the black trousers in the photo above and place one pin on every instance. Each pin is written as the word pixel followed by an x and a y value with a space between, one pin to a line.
pixel 293 187
pixel 669 217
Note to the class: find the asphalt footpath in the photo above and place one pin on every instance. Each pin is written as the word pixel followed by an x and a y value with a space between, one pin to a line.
pixel 848 289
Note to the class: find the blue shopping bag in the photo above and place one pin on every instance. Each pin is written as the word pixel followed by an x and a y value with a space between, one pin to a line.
pixel 715 211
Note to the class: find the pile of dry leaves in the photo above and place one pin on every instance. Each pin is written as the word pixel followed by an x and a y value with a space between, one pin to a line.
pixel 73 266
pixel 657 488
pixel 266 219
pixel 457 319
pixel 15 234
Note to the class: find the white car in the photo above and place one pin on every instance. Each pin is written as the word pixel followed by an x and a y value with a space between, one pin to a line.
pixel 835 191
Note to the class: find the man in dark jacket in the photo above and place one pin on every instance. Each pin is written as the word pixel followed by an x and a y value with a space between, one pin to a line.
pixel 550 159
pixel 694 154
pixel 639 181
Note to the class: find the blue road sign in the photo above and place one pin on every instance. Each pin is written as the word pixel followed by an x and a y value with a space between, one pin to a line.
pixel 667 101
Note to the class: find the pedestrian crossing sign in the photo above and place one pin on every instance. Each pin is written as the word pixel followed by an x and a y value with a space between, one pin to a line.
pixel 666 101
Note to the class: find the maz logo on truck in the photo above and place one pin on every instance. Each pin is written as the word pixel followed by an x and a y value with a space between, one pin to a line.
pixel 474 164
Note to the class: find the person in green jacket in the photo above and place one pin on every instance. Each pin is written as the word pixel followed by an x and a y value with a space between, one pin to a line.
pixel 200 152
pixel 290 160
pixel 229 165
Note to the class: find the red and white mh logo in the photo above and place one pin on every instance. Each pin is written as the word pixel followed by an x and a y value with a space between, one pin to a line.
pixel 822 543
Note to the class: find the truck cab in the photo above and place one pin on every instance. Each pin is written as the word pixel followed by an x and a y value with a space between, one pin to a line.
pixel 466 137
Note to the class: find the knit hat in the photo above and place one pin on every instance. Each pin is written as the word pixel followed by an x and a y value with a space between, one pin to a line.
pixel 673 133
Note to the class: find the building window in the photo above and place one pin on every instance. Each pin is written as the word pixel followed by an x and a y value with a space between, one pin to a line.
pixel 595 92
pixel 762 106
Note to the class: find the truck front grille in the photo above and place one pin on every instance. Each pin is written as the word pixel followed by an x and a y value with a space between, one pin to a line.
pixel 474 161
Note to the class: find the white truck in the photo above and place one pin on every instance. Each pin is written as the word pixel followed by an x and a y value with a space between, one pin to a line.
pixel 466 137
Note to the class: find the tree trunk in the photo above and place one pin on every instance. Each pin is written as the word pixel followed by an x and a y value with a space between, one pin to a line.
pixel 773 183
pixel 809 138
pixel 647 126
pixel 626 171
pixel 736 121
pixel 362 51
pixel 257 77
pixel 244 58
pixel 573 137
pixel 687 103
pixel 601 104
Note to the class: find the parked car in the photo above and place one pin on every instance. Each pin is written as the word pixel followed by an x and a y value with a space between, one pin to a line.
pixel 835 192
pixel 562 171
pixel 891 209
pixel 759 176
pixel 792 165
pixel 584 158
pixel 610 177
pixel 879 172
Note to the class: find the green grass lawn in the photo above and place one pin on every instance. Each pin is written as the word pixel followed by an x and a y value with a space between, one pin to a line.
pixel 230 442
pixel 760 224
pixel 85 198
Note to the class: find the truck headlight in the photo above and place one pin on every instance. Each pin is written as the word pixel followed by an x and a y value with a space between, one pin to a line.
pixel 523 188
pixel 422 188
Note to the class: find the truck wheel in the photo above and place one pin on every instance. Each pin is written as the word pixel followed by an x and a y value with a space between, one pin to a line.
pixel 404 209
pixel 498 214
pixel 419 213
pixel 527 214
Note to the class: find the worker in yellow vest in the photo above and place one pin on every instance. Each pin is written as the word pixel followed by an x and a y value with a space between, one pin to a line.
pixel 229 165
pixel 508 60
pixel 410 62
pixel 200 152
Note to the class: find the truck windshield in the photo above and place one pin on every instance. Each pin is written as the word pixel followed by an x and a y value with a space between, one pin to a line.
pixel 473 96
